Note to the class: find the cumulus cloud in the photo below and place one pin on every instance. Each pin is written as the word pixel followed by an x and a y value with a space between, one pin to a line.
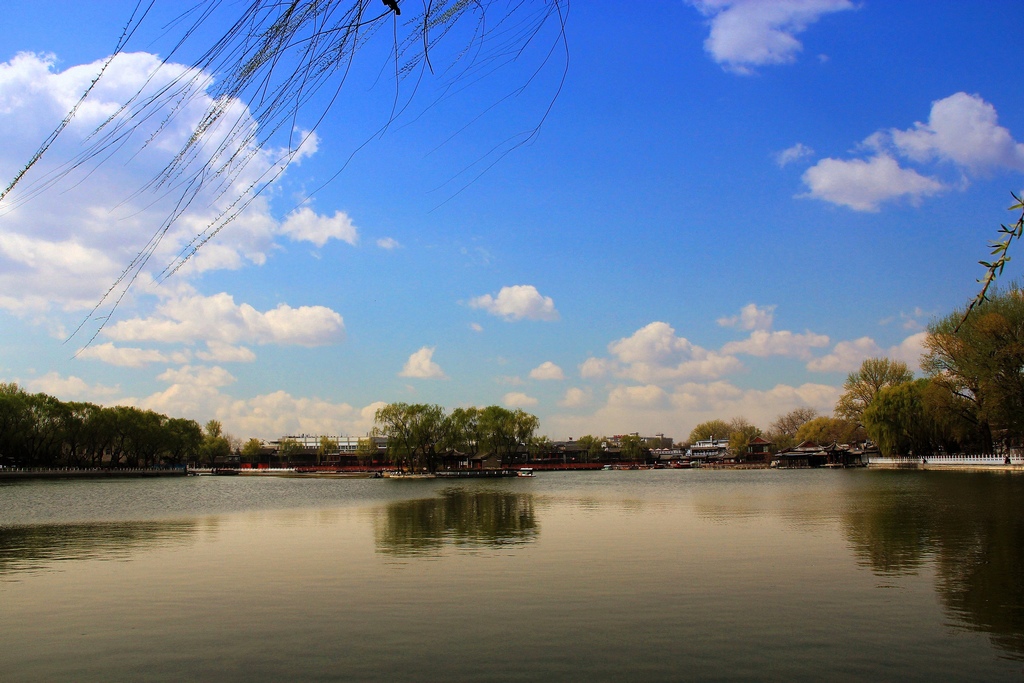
pixel 305 224
pixel 864 184
pixel 764 343
pixel 71 387
pixel 196 392
pixel 547 370
pixel 655 354
pixel 218 319
pixel 846 356
pixel 123 356
pixel 751 317
pixel 750 33
pixel 649 396
pixel 792 154
pixel 219 352
pixel 421 365
pixel 64 252
pixel 519 302
pixel 962 129
pixel 962 132
pixel 651 409
pixel 575 397
pixel 909 350
pixel 517 399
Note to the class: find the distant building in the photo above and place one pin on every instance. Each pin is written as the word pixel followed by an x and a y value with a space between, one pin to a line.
pixel 709 449
pixel 759 449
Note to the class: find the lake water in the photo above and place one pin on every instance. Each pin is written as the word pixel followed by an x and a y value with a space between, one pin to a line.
pixel 657 575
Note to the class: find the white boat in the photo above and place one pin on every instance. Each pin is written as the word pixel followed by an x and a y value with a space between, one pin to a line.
pixel 525 472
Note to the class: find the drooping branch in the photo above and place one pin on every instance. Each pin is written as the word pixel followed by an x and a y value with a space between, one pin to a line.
pixel 276 63
pixel 1000 250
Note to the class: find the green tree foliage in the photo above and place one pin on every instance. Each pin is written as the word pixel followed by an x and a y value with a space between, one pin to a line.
pixel 741 433
pixel 592 447
pixel 252 450
pixel 366 450
pixel 38 430
pixel 632 448
pixel 901 421
pixel 418 434
pixel 326 447
pixel 287 449
pixel 861 386
pixel 826 430
pixel 504 430
pixel 978 362
pixel 463 431
pixel 717 429
pixel 215 443
pixel 414 433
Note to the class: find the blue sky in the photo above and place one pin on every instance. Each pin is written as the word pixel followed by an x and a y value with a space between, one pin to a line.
pixel 730 205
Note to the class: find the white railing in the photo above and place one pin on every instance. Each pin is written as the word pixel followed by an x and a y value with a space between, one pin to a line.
pixel 989 459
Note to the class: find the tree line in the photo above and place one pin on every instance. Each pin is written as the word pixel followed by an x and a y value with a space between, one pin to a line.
pixel 970 399
pixel 38 430
pixel 419 436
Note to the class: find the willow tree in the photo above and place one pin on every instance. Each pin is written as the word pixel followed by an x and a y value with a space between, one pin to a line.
pixel 978 361
pixel 861 386
pixel 274 72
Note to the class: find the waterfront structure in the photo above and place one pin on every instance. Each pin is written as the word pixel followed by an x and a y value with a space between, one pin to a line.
pixel 709 450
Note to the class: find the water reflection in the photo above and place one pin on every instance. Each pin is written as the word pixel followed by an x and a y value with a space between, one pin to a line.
pixel 972 525
pixel 29 549
pixel 468 518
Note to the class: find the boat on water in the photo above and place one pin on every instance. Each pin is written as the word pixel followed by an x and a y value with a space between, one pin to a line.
pixel 525 472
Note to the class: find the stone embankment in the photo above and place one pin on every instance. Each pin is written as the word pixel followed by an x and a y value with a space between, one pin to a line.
pixel 8 473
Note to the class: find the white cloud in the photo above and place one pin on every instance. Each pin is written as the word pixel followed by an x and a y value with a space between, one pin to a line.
pixel 575 398
pixel 792 154
pixel 196 393
pixel 593 368
pixel 476 327
pixel 64 252
pixel 68 388
pixel 649 396
pixel 748 33
pixel 846 356
pixel 655 354
pixel 910 350
pixel 198 376
pixel 219 352
pixel 547 370
pixel 517 303
pixel 517 399
pixel 863 185
pixel 123 356
pixel 764 343
pixel 388 243
pixel 964 130
pixel 305 224
pixel 218 318
pixel 751 317
pixel 421 365
pixel 651 409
